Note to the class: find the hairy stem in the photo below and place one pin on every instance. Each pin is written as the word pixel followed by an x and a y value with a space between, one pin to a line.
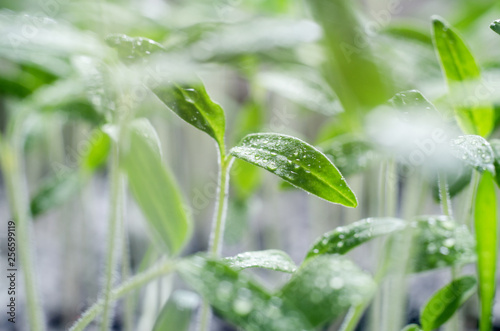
pixel 218 225
pixel 133 283
pixel 12 168
pixel 112 251
pixel 444 195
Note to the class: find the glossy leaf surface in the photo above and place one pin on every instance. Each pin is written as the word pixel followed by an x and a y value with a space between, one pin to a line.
pixel 298 163
pixel 269 259
pixel 474 151
pixel 343 239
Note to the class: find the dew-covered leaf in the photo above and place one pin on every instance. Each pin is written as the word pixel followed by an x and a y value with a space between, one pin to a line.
pixel 440 242
pixel 133 48
pixel 325 286
pixel 193 104
pixel 343 239
pixel 155 190
pixel 177 312
pixel 474 151
pixel 298 163
pixel 350 154
pixel 446 301
pixel 411 99
pixel 486 228
pixel 412 327
pixel 269 259
pixel 240 300
pixel 462 73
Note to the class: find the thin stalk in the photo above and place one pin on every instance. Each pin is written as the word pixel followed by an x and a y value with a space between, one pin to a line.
pixel 136 282
pixel 112 252
pixel 444 195
pixel 218 225
pixel 129 302
pixel 469 205
pixel 12 168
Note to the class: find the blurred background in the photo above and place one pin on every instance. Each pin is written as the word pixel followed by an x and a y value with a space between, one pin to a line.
pixel 318 70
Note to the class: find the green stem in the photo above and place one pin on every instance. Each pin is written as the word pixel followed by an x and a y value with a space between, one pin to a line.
pixel 218 225
pixel 469 205
pixel 444 195
pixel 133 283
pixel 114 221
pixel 12 166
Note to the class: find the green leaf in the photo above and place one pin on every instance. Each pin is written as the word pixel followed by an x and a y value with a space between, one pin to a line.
pixel 298 163
pixel 63 186
pixel 474 151
pixel 240 300
pixel 100 145
pixel 271 259
pixel 440 242
pixel 495 26
pixel 462 73
pixel 412 327
pixel 343 239
pixel 445 302
pixel 411 99
pixel 177 312
pixel 325 286
pixel 132 48
pixel 485 221
pixel 55 192
pixel 193 104
pixel 350 154
pixel 155 190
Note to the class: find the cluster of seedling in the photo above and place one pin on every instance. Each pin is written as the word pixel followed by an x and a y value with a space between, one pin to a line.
pixel 326 285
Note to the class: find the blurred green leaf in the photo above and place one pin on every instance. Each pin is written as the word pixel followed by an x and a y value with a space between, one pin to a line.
pixel 461 72
pixel 298 163
pixel 56 191
pixel 155 190
pixel 177 312
pixel 133 48
pixel 343 239
pixel 411 99
pixel 351 69
pixel 240 300
pixel 408 32
pixel 325 286
pixel 485 225
pixel 304 87
pixel 272 259
pixel 440 242
pixel 97 154
pixel 63 186
pixel 349 153
pixel 412 327
pixel 445 302
pixel 193 105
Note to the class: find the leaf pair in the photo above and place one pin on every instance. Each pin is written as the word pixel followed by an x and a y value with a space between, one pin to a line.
pixel 321 289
